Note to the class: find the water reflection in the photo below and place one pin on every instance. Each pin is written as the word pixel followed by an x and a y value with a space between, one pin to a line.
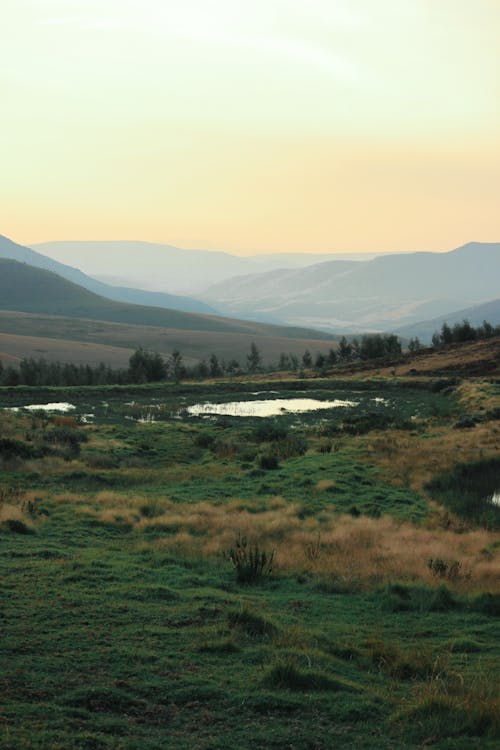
pixel 269 408
pixel 61 406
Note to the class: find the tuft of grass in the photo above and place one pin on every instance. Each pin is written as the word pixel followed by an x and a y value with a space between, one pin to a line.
pixel 285 675
pixel 104 699
pixel 404 663
pixel 250 562
pixel 252 624
pixel 400 598
pixel 453 707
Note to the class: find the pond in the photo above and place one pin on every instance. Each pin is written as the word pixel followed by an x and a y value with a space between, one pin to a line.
pixel 57 406
pixel 311 404
pixel 267 408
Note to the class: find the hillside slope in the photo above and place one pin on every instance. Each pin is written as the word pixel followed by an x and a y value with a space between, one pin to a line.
pixel 28 289
pixel 12 251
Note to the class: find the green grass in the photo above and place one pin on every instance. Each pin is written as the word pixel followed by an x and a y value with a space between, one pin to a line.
pixel 112 640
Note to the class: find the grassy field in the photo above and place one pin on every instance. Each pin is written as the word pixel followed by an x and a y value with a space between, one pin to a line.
pixel 307 581
pixel 60 338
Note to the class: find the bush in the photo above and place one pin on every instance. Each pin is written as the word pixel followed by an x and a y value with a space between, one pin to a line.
pixel 268 461
pixel 251 563
pixel 10 448
pixel 204 440
pixel 270 431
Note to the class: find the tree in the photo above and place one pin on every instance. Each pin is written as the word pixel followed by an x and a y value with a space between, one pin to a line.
pixel 144 367
pixel 332 357
pixel 344 350
pixel 320 361
pixel 446 334
pixel 233 367
pixel 254 358
pixel 307 359
pixel 284 362
pixel 414 345
pixel 175 366
pixel 214 366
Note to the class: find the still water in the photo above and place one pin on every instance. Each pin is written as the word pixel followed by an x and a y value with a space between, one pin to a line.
pixel 269 408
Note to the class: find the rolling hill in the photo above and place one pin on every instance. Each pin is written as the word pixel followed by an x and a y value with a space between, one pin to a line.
pixel 385 293
pixel 165 267
pixel 38 304
pixel 24 288
pixel 12 251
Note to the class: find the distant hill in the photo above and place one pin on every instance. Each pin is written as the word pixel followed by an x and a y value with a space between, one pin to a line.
pixel 489 311
pixel 385 293
pixel 165 267
pixel 27 289
pixel 11 250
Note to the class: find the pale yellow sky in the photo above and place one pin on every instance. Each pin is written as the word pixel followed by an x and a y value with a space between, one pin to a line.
pixel 271 125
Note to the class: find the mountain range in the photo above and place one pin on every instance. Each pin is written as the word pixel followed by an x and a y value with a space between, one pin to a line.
pixel 284 309
pixel 386 293
pixel 167 268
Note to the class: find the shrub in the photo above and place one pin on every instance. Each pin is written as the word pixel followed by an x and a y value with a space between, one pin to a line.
pixel 204 440
pixel 17 526
pixel 270 431
pixel 251 563
pixel 268 461
pixel 10 448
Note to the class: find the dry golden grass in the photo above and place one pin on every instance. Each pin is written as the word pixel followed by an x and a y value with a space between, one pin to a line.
pixel 477 394
pixel 451 360
pixel 364 550
pixel 413 459
pixel 325 484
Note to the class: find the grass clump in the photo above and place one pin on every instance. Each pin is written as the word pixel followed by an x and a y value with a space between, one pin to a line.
pixel 400 598
pixel 251 563
pixel 453 707
pixel 404 663
pixel 104 699
pixel 252 624
pixel 285 675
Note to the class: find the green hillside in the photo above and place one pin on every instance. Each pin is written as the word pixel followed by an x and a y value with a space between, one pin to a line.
pixel 24 288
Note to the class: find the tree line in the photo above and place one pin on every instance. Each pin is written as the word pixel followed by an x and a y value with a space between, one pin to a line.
pixel 150 367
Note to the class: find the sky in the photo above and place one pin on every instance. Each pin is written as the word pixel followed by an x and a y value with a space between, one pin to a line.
pixel 262 126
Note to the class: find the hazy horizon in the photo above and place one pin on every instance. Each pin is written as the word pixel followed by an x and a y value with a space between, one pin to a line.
pixel 275 126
